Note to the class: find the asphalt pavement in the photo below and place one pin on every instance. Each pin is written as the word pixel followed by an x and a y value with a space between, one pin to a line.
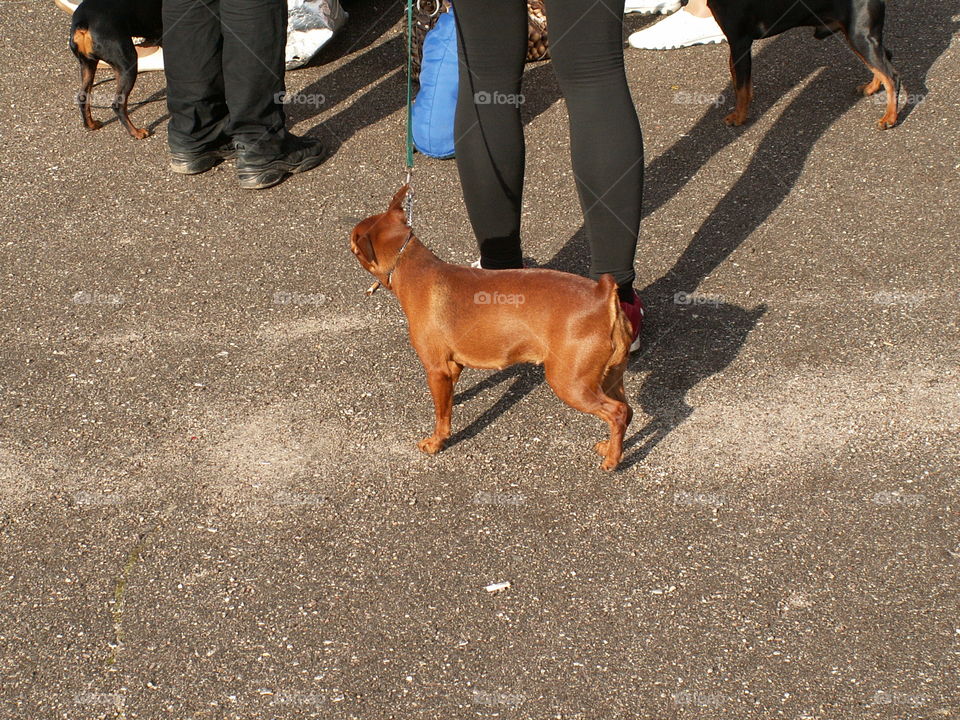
pixel 211 501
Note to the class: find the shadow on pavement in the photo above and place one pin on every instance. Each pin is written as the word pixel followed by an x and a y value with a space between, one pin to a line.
pixel 689 344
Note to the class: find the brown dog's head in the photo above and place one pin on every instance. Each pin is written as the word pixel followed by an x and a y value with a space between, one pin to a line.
pixel 377 240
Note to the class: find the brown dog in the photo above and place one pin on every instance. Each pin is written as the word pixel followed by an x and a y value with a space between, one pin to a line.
pixel 461 316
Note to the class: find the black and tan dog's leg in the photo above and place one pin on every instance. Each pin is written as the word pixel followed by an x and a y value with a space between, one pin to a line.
pixel 88 69
pixel 741 67
pixel 871 87
pixel 442 379
pixel 869 48
pixel 126 78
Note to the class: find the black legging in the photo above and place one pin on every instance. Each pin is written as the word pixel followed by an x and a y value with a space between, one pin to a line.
pixel 606 146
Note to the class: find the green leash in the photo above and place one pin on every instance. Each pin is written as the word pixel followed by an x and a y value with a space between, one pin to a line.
pixel 409 199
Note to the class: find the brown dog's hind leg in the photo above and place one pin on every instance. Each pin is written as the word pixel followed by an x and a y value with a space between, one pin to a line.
pixel 613 386
pixel 88 69
pixel 587 395
pixel 441 380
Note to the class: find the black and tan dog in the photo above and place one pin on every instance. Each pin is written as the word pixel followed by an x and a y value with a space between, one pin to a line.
pixel 104 30
pixel 860 22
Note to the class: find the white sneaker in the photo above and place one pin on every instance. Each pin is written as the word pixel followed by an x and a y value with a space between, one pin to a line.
pixel 151 60
pixel 682 29
pixel 651 7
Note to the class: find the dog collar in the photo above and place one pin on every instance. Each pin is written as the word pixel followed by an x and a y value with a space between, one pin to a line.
pixel 397 259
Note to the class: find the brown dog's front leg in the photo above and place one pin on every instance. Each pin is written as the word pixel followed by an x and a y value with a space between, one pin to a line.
pixel 441 380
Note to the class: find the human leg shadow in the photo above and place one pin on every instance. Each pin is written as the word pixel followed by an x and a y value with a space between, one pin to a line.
pixel 783 62
pixel 375 105
pixel 367 23
pixel 930 27
pixel 360 72
pixel 689 344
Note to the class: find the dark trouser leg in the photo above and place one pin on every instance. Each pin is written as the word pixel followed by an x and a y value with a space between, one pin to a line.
pixel 606 145
pixel 192 45
pixel 489 133
pixel 254 37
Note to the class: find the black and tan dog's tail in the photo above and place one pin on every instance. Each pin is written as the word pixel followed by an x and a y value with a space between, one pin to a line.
pixel 81 42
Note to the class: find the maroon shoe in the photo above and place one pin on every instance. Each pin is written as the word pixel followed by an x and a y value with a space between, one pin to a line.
pixel 634 312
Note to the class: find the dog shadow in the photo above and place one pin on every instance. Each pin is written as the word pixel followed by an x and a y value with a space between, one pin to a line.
pixel 131 107
pixel 688 343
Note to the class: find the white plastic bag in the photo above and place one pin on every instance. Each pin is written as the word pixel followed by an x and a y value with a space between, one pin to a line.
pixel 310 24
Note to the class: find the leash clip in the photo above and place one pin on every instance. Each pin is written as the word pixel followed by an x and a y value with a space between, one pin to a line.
pixel 408 201
pixel 432 14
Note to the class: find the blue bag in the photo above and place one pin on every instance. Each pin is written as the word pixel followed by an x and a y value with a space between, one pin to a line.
pixel 436 102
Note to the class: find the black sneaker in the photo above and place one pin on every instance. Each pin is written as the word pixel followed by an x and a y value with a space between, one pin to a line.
pixel 198 161
pixel 256 170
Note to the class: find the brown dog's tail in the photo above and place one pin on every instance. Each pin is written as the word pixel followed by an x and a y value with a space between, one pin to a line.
pixel 620 331
pixel 81 42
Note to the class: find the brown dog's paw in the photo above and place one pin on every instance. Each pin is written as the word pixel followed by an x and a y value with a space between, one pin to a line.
pixel 735 119
pixel 431 445
pixel 139 133
pixel 885 123
pixel 93 125
pixel 609 464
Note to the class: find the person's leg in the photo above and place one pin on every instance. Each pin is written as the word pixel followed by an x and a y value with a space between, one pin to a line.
pixel 254 37
pixel 488 129
pixel 193 67
pixel 606 144
pixel 698 8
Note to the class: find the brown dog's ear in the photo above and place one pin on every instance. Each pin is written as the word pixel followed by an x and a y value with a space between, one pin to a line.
pixel 362 247
pixel 397 202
